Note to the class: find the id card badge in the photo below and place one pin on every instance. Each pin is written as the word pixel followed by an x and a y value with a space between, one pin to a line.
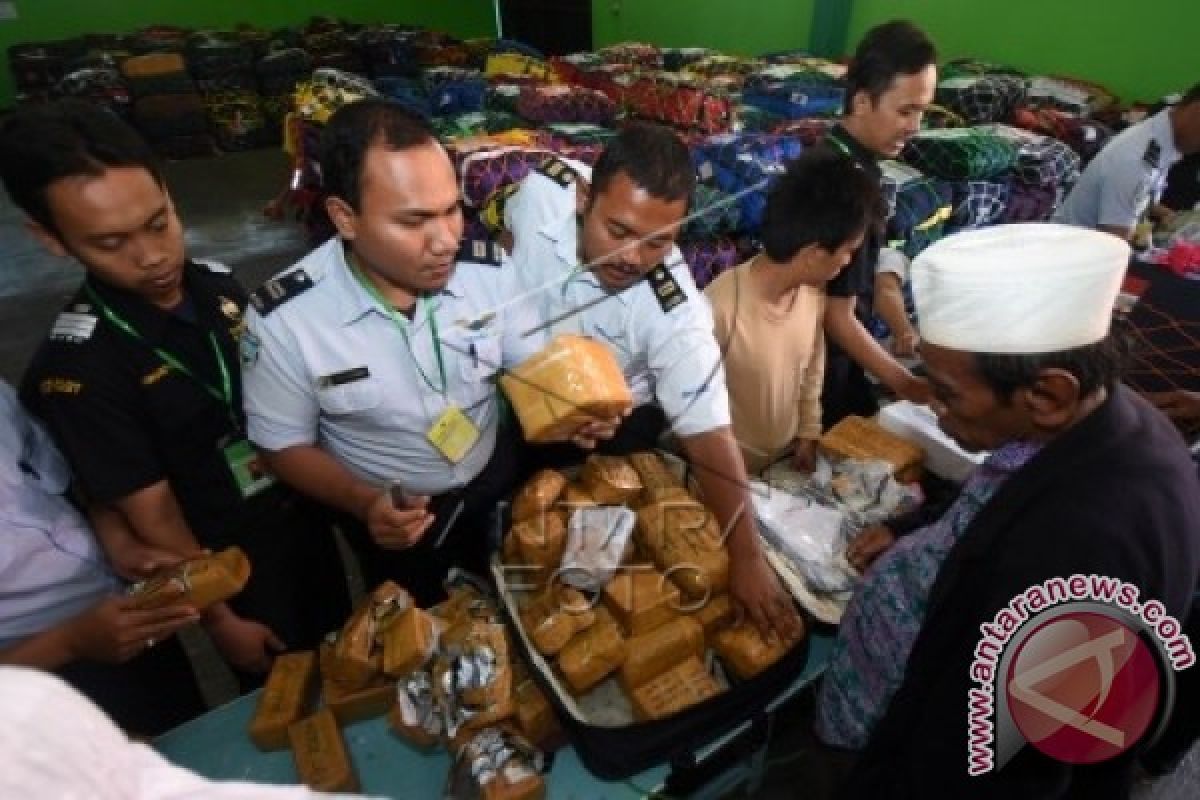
pixel 249 473
pixel 453 434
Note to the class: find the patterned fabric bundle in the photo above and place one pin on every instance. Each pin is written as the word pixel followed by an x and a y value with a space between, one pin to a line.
pixel 752 119
pixel 677 58
pixel 475 123
pixel 280 71
pixel 547 104
pixel 682 103
pixel 329 90
pixel 1085 136
pixel 1029 203
pixel 808 131
pixel 919 207
pixel 712 214
pixel 725 65
pixel 408 92
pixel 100 85
pixel 238 122
pixel 726 150
pixel 506 64
pixel 708 257
pixel 1041 160
pixel 580 133
pixel 615 80
pixel 960 154
pixel 977 204
pixel 160 39
pixel 634 54
pixel 483 172
pixel 454 91
pixel 983 98
pixel 220 62
pixel 449 55
pixel 1072 95
pixel 389 51
pixel 36 66
pixel 974 67
pixel 502 97
pixel 795 100
pixel 515 46
pixel 570 68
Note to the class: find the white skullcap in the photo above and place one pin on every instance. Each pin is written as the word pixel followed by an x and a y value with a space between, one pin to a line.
pixel 1025 288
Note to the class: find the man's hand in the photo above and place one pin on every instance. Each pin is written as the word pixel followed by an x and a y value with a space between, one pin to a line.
pixel 915 390
pixel 248 645
pixel 395 528
pixel 134 560
pixel 904 343
pixel 755 590
pixel 804 455
pixel 113 631
pixel 870 543
pixel 1179 405
pixel 588 435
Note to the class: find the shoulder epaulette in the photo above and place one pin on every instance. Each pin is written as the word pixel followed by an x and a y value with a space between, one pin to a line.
pixel 666 288
pixel 277 291
pixel 1153 154
pixel 212 266
pixel 558 171
pixel 482 251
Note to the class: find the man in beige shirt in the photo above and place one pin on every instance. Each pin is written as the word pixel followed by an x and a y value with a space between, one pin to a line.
pixel 768 311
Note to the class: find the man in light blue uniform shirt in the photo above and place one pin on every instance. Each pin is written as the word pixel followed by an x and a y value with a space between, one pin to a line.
pixel 606 266
pixel 370 365
pixel 1127 179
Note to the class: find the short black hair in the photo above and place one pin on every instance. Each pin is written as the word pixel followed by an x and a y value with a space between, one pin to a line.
pixel 1095 366
pixel 822 198
pixel 888 50
pixel 653 157
pixel 352 130
pixel 71 137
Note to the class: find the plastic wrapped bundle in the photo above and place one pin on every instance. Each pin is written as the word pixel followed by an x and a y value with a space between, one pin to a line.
pixel 1041 160
pixel 982 99
pixel 220 62
pixel 678 58
pixel 635 54
pixel 390 51
pixel 454 91
pixel 280 71
pixel 918 207
pixel 572 381
pixel 687 103
pixel 709 256
pixel 1030 203
pixel 712 213
pixel 977 204
pixel 1087 137
pixel 504 65
pixel 960 154
pixel 486 171
pixel 198 582
pixel 551 104
pixel 100 85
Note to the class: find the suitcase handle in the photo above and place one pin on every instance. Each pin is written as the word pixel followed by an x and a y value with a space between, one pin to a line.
pixel 693 770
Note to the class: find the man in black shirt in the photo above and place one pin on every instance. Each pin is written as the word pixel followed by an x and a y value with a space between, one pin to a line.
pixel 890 83
pixel 139 383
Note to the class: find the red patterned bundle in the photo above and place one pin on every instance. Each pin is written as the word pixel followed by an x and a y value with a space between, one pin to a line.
pixel 549 104
pixel 484 171
pixel 684 104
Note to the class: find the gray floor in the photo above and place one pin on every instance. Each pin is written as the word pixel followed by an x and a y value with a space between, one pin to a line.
pixel 221 202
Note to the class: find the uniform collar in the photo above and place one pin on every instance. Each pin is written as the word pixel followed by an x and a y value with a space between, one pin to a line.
pixel 563 233
pixel 356 302
pixel 858 152
pixel 147 319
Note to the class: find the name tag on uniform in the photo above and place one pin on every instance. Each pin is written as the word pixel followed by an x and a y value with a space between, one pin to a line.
pixel 453 434
pixel 245 464
pixel 343 377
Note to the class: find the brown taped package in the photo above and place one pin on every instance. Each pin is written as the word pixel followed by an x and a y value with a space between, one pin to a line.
pixel 658 481
pixel 744 650
pixel 641 600
pixel 354 705
pixel 322 762
pixel 492 636
pixel 524 787
pixel 680 687
pixel 408 642
pixel 356 659
pixel 715 614
pixel 198 582
pixel 284 699
pixel 574 380
pixel 592 656
pixel 575 497
pixel 538 494
pixel 536 718
pixel 555 617
pixel 866 440
pixel 682 539
pixel 610 480
pixel 541 541
pixel 653 653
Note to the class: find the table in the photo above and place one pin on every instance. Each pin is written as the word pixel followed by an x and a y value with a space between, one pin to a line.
pixel 216 746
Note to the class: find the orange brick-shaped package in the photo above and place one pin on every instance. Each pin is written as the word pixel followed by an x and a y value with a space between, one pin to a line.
pixel 198 582
pixel 284 699
pixel 354 705
pixel 866 440
pixel 322 762
pixel 408 642
pixel 538 494
pixel 683 540
pixel 641 600
pixel 653 653
pixel 610 480
pixel 716 613
pixel 574 380
pixel 681 687
pixel 592 656
pixel 747 653
pixel 541 540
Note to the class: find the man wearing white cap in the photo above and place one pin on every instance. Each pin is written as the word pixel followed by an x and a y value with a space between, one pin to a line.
pixel 1084 477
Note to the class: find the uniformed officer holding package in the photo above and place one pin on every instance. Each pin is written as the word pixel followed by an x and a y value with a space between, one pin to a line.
pixel 1128 177
pixel 606 266
pixel 370 366
pixel 138 382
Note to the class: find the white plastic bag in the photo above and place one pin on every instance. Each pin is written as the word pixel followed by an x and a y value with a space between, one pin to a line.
pixel 597 539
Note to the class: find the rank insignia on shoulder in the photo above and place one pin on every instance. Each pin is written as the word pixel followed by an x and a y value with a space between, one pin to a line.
pixel 74 327
pixel 277 291
pixel 482 251
pixel 212 266
pixel 558 171
pixel 666 288
pixel 1153 155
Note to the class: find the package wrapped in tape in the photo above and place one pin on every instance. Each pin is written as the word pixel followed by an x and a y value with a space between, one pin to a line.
pixel 354 705
pixel 496 764
pixel 284 700
pixel 651 654
pixel 574 380
pixel 322 762
pixel 357 658
pixel 680 687
pixel 540 541
pixel 610 480
pixel 197 582
pixel 575 497
pixel 409 642
pixel 641 600
pixel 538 495
pixel 683 540
pixel 536 717
pixel 866 440
pixel 714 614
pixel 417 715
pixel 592 656
pixel 747 653
pixel 473 678
pixel 658 481
pixel 555 618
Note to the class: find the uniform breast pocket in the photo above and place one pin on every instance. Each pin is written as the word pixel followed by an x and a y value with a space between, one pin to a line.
pixel 349 399
pixel 479 358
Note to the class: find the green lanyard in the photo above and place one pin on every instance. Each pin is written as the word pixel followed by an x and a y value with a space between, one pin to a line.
pixel 833 139
pixel 402 326
pixel 224 395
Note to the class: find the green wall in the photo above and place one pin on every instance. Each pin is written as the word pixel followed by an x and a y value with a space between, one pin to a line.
pixel 58 19
pixel 1140 50
pixel 744 27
